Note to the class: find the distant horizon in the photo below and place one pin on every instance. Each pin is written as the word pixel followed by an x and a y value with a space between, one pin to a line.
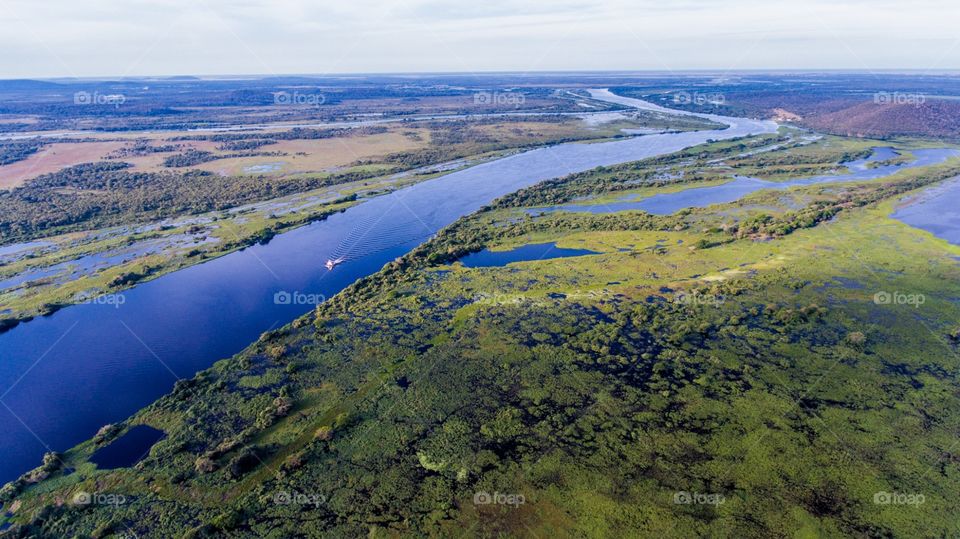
pixel 625 72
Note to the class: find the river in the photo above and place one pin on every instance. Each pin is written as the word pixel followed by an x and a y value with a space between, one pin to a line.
pixel 64 376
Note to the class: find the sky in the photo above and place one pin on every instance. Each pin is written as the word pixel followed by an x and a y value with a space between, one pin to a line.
pixel 85 38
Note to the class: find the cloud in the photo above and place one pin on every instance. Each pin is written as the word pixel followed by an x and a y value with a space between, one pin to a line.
pixel 142 37
pixel 438 9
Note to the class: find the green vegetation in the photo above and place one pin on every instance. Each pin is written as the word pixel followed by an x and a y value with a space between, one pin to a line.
pixel 11 152
pixel 719 372
pixel 188 158
pixel 102 194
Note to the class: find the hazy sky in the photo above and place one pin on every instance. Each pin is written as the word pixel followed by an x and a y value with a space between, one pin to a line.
pixel 51 38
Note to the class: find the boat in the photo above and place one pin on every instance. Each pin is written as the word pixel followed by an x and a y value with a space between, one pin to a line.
pixel 332 262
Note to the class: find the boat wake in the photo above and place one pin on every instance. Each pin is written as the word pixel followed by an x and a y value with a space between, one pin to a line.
pixel 372 235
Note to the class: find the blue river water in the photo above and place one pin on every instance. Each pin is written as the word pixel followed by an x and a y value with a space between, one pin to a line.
pixel 740 186
pixel 64 376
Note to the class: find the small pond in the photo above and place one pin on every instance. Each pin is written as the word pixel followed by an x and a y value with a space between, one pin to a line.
pixel 128 449
pixel 533 251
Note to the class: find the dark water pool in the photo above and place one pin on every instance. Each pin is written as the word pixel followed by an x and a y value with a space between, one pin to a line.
pixel 533 251
pixel 128 449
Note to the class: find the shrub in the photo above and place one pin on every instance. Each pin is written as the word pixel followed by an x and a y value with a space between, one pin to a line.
pixel 856 338
pixel 106 433
pixel 282 406
pixel 243 463
pixel 204 465
pixel 276 352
